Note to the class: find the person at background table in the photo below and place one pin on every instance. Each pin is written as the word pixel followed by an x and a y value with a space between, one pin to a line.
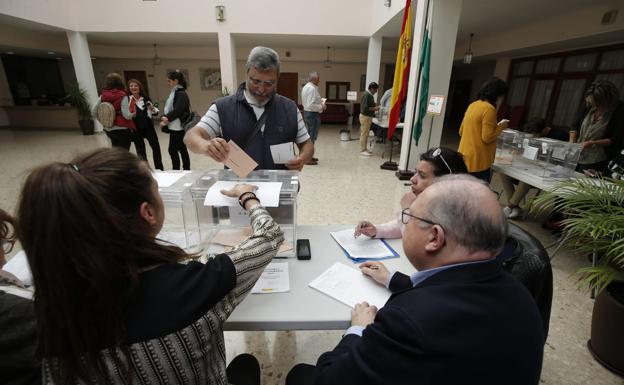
pixel 367 113
pixel 144 110
pixel 234 118
pixel 435 162
pixel 459 319
pixel 114 92
pixel 18 340
pixel 534 127
pixel 177 109
pixel 313 106
pixel 114 304
pixel 479 129
pixel 595 135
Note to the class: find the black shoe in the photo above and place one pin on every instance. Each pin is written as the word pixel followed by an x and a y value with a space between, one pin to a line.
pixel 312 162
pixel 315 159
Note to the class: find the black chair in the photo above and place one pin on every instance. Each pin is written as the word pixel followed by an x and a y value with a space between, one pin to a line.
pixel 527 260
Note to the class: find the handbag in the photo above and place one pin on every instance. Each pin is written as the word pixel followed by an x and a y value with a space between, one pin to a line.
pixel 192 118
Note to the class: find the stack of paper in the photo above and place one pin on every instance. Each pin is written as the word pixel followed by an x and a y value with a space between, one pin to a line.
pixel 350 286
pixel 274 279
pixel 362 248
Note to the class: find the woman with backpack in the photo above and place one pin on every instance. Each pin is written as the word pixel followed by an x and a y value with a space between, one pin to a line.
pixel 144 110
pixel 120 128
pixel 177 109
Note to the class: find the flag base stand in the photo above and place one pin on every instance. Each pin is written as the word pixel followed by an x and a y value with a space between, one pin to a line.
pixel 389 165
pixel 404 174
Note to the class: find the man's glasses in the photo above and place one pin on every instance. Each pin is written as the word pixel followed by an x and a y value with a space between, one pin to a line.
pixel 258 82
pixel 405 217
pixel 438 152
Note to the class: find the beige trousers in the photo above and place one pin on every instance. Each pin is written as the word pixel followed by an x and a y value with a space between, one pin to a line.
pixel 514 195
pixel 365 126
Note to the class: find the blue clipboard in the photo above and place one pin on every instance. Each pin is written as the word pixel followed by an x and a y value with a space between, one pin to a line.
pixel 360 260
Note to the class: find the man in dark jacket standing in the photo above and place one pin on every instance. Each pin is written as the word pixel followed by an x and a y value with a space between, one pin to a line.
pixel 239 117
pixel 459 320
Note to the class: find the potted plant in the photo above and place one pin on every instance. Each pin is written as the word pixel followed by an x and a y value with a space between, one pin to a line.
pixel 77 97
pixel 594 223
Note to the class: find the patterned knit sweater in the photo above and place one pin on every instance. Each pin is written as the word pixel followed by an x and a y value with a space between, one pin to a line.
pixel 175 322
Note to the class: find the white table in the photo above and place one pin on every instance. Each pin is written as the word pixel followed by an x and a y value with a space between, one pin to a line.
pixel 304 308
pixel 529 174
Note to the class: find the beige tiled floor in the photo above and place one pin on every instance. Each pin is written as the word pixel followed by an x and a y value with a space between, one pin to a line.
pixel 341 189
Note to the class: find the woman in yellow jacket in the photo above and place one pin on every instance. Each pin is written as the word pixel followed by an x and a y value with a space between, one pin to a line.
pixel 479 129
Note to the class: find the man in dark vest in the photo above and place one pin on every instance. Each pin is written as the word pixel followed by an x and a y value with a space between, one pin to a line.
pixel 255 117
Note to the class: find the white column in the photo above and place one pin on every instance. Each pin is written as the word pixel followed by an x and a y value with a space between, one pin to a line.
pixel 373 61
pixel 81 57
pixel 227 61
pixel 445 21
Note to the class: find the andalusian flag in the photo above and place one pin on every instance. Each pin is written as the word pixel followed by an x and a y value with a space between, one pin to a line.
pixel 425 59
pixel 401 71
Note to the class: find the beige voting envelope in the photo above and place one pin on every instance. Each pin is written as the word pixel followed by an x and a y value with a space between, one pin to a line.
pixel 239 161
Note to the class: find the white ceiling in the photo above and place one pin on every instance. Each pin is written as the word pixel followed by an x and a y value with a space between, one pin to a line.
pixel 481 17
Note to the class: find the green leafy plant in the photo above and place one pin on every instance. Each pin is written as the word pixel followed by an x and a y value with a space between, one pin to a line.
pixel 225 91
pixel 77 97
pixel 594 222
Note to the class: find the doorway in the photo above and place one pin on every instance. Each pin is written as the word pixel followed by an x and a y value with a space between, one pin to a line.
pixel 138 75
pixel 288 85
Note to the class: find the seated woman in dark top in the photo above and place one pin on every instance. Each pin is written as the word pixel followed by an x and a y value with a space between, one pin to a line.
pixel 114 304
pixel 17 321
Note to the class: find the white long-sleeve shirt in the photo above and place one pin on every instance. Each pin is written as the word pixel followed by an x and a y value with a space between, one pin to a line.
pixel 311 98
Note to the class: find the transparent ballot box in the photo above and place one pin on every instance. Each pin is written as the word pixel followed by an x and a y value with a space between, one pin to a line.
pixel 508 146
pixel 221 227
pixel 181 226
pixel 554 159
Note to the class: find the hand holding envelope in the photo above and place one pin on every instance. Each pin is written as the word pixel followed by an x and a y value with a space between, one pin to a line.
pixel 238 160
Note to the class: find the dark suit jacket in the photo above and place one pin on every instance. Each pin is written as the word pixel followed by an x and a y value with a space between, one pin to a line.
pixel 471 324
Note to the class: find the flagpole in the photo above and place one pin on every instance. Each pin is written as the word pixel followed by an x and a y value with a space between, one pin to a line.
pixel 406 173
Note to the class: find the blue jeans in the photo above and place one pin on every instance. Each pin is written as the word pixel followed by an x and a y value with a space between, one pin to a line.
pixel 313 123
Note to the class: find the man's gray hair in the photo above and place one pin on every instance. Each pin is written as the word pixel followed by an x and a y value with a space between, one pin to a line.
pixel 457 208
pixel 313 75
pixel 262 59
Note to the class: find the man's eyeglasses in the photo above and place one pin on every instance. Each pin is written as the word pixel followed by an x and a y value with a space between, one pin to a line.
pixel 438 152
pixel 405 217
pixel 258 82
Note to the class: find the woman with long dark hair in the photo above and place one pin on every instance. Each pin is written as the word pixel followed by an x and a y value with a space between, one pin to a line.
pixel 144 110
pixel 479 129
pixel 177 109
pixel 17 320
pixel 114 92
pixel 114 305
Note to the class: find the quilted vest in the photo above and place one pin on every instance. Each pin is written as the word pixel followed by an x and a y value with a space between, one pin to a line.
pixel 238 118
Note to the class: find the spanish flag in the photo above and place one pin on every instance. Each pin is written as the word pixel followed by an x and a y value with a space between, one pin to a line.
pixel 401 71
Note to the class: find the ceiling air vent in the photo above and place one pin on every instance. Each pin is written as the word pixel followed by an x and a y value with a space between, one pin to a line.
pixel 609 17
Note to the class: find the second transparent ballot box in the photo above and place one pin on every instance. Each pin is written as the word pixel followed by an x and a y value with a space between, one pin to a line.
pixel 555 158
pixel 181 226
pixel 508 146
pixel 222 227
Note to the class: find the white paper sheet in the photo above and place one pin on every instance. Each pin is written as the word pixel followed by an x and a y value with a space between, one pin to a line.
pixel 361 247
pixel 19 267
pixel 267 192
pixel 350 286
pixel 530 152
pixel 274 279
pixel 283 152
pixel 168 178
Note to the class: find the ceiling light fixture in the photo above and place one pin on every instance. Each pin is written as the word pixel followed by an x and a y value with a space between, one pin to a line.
pixel 468 54
pixel 156 59
pixel 327 61
pixel 388 3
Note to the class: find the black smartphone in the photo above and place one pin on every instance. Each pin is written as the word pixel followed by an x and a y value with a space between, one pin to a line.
pixel 303 249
